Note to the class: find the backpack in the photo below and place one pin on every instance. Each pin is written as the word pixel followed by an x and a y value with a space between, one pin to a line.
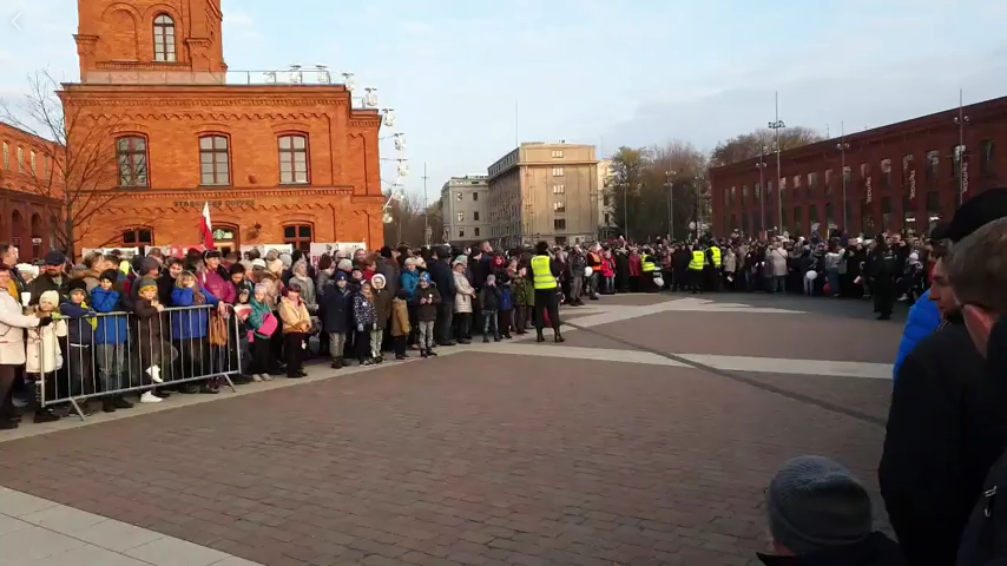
pixel 984 542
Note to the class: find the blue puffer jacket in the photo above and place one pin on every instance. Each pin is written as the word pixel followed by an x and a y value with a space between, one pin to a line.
pixel 410 280
pixel 111 330
pixel 190 324
pixel 924 319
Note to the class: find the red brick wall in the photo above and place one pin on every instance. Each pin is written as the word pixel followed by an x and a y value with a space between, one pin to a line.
pixel 987 121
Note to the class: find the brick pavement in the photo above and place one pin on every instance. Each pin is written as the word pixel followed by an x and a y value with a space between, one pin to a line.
pixel 477 459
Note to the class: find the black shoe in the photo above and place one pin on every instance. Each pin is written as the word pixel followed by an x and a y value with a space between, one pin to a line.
pixel 9 424
pixel 431 354
pixel 558 338
pixel 486 339
pixel 336 364
pixel 296 375
pixel 540 338
pixel 496 338
pixel 423 353
pixel 45 416
pixel 108 406
pixel 379 360
pixel 507 336
pixel 121 403
pixel 400 357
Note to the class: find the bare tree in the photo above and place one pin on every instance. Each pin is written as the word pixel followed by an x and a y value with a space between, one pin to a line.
pixel 407 221
pixel 748 146
pixel 79 162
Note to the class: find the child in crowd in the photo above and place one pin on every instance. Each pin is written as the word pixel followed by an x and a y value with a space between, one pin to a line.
pixel 382 312
pixel 154 351
pixel 44 357
pixel 489 301
pixel 464 293
pixel 366 322
pixel 524 301
pixel 80 337
pixel 337 306
pixel 263 324
pixel 400 324
pixel 427 299
pixel 296 329
pixel 506 320
pixel 110 339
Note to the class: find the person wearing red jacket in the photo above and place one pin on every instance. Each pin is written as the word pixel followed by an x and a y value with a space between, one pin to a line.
pixel 215 278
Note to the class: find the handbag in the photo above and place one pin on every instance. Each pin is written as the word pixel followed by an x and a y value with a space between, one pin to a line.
pixel 218 330
pixel 269 325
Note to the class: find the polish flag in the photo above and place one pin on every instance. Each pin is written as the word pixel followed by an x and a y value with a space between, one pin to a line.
pixel 206 228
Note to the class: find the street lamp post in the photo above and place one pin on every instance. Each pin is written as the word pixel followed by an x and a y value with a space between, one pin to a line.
pixel 776 126
pixel 697 190
pixel 669 186
pixel 761 166
pixel 962 120
pixel 625 210
pixel 842 146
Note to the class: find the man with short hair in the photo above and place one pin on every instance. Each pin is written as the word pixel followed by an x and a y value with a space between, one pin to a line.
pixel 946 424
pixel 51 278
pixel 977 270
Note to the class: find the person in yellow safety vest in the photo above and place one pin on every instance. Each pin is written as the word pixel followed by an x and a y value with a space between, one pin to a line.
pixel 545 278
pixel 696 265
pixel 715 264
pixel 648 268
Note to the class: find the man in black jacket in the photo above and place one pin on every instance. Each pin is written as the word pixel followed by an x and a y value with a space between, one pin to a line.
pixel 946 425
pixel 51 278
pixel 444 278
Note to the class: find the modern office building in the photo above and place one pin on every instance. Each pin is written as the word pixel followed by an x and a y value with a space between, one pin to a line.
pixel 464 205
pixel 904 176
pixel 545 191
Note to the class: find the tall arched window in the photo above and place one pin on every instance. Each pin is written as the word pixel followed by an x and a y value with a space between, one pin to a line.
pixel 293 159
pixel 214 160
pixel 299 236
pixel 164 39
pixel 131 153
pixel 16 228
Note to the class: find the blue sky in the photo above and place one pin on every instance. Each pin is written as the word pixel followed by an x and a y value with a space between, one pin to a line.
pixel 634 72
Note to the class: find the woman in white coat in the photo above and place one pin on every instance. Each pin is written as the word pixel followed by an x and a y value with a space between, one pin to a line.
pixel 13 322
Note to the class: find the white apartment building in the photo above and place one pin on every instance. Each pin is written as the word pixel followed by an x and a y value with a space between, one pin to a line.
pixel 464 205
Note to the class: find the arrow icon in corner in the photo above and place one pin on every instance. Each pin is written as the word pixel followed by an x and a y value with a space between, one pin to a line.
pixel 14 21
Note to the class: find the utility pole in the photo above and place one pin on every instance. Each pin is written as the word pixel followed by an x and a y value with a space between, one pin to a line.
pixel 842 146
pixel 426 208
pixel 776 126
pixel 625 210
pixel 961 119
pixel 669 186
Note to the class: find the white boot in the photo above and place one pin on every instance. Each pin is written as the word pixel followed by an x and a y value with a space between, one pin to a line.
pixel 149 397
pixel 155 374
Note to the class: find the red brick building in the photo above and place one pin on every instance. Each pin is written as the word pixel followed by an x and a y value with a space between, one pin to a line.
pixel 26 214
pixel 287 160
pixel 902 176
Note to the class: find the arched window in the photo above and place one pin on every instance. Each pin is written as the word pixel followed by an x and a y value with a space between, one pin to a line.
pixel 131 153
pixel 164 39
pixel 293 159
pixel 299 236
pixel 16 229
pixel 138 237
pixel 214 161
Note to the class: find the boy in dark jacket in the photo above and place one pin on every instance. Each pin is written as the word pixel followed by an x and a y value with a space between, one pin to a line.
pixel 506 320
pixel 489 301
pixel 337 306
pixel 427 300
pixel 80 337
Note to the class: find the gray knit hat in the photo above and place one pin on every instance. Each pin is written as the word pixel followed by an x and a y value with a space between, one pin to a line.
pixel 814 503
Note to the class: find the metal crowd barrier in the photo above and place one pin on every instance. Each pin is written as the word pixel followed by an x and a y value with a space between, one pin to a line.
pixel 109 354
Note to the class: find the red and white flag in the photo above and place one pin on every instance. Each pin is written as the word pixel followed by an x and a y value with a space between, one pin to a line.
pixel 206 228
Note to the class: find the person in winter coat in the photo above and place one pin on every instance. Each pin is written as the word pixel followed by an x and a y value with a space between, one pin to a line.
pixel 382 308
pixel 214 278
pixel 296 328
pixel 337 316
pixel 524 300
pixel 154 352
pixel 506 308
pixel 110 339
pixel 489 302
pixel 776 269
pixel 190 329
pixel 820 515
pixel 263 323
pixel 464 293
pixel 80 338
pixel 924 319
pixel 427 300
pixel 368 337
pixel 442 276
pixel 299 275
pixel 400 324
pixel 13 323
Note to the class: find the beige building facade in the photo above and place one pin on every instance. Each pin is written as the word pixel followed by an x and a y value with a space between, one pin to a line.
pixel 544 191
pixel 464 205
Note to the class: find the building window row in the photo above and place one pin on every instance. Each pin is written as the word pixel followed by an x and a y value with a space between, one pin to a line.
pixel 132 155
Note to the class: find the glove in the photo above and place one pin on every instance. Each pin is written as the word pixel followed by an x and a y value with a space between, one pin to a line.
pixel 44 321
pixel 360 328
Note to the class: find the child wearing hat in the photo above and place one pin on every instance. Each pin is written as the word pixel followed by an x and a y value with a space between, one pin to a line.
pixel 80 322
pixel 427 299
pixel 154 351
pixel 44 357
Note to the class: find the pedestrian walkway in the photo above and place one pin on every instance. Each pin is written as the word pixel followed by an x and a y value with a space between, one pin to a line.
pixel 38 532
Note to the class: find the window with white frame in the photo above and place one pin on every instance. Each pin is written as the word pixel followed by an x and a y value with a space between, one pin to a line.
pixel 557 172
pixel 559 206
pixel 461 217
pixel 557 154
pixel 559 189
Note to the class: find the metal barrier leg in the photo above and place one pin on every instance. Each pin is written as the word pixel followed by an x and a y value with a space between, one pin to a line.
pixel 77 409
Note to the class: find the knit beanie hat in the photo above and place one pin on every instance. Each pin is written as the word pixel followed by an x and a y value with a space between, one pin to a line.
pixel 147 283
pixel 262 287
pixel 814 503
pixel 345 265
pixel 49 298
pixel 110 274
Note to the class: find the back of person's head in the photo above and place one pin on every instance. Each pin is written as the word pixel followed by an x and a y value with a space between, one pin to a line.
pixel 977 270
pixel 815 504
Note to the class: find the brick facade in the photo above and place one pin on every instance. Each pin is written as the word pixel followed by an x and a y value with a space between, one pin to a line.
pixel 127 94
pixel 881 194
pixel 25 211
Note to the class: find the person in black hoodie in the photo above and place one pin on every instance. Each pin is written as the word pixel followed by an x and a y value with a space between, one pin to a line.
pixel 946 424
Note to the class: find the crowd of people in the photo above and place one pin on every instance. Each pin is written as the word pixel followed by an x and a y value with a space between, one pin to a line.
pixel 152 325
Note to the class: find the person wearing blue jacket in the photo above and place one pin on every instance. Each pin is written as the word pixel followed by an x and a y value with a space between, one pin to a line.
pixel 110 338
pixel 190 330
pixel 924 319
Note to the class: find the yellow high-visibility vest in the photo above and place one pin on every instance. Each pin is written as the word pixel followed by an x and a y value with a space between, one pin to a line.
pixel 715 252
pixel 540 267
pixel 698 261
pixel 648 264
